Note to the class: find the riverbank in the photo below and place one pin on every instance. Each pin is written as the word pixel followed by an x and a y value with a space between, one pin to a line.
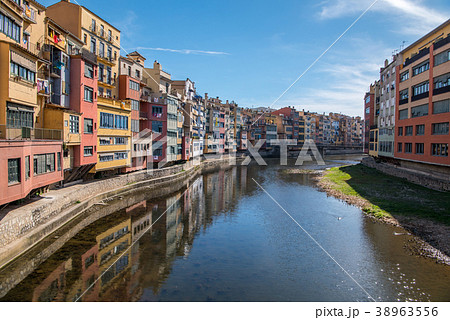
pixel 420 211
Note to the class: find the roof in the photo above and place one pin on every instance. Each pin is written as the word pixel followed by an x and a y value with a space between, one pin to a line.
pixel 74 4
pixel 442 26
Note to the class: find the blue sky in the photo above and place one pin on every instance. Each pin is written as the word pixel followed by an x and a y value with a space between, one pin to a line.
pixel 251 51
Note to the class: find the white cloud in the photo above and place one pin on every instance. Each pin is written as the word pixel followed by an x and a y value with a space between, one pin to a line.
pixel 412 16
pixel 184 51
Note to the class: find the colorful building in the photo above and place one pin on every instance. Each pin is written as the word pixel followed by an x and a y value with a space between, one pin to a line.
pixel 423 99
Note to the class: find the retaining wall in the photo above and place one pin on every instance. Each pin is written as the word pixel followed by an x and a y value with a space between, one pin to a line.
pixel 439 181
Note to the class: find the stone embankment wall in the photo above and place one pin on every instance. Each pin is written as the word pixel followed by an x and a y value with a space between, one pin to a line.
pixel 439 181
pixel 26 226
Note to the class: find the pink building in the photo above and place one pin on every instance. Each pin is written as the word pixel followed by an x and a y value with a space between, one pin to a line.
pixel 30 164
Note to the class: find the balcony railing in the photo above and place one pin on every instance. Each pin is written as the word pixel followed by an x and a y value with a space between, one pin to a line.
pixel 24 133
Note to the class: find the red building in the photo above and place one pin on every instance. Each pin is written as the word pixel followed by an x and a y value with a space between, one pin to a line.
pixel 154 117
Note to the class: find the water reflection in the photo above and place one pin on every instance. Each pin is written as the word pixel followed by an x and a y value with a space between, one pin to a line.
pixel 221 239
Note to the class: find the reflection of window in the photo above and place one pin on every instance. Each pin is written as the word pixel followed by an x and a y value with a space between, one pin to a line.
pixel 13 171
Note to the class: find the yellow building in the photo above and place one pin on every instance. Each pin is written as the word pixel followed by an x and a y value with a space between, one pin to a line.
pixel 114 134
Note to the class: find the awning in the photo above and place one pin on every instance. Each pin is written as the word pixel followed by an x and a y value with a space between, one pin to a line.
pixel 19 107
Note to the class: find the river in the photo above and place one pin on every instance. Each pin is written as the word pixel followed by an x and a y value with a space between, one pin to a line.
pixel 224 239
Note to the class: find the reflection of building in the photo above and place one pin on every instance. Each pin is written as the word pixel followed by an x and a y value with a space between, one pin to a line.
pixel 111 244
pixel 52 287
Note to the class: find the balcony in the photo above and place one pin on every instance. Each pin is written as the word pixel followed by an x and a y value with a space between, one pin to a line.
pixel 441 89
pixel 422 53
pixel 29 13
pixel 420 96
pixel 24 133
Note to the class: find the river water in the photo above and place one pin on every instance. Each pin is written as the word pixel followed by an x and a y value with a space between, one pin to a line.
pixel 223 239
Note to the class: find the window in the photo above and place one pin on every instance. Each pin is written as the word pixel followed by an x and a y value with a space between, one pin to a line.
pixel 121 122
pixel 109 35
pixel 88 126
pixel 157 126
pixel 367 99
pixel 404 94
pixel 442 81
pixel 134 85
pixel 441 57
pixel 120 155
pixel 129 72
pixel 74 124
pixel 18 117
pixel 93 46
pixel 138 74
pixel 440 128
pixel 121 140
pixel 88 70
pixel 106 158
pixel 109 53
pixel 85 39
pixel 419 111
pixel 101 72
pixel 9 27
pixel 88 151
pixel 408 147
pixel 420 130
pixel 59 160
pixel 156 111
pixel 441 106
pixel 421 88
pixel 13 171
pixel 157 152
pixel 419 148
pixel 108 75
pixel 106 120
pixel 88 94
pixel 404 76
pixel 24 73
pixel 135 105
pixel 409 131
pixel 135 125
pixel 27 168
pixel 439 149
pixel 44 163
pixel 400 147
pixel 421 68
pixel 403 114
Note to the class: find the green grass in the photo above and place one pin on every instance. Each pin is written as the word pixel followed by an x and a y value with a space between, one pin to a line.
pixel 390 196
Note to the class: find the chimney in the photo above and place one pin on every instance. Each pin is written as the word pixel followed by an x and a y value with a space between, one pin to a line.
pixel 156 65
